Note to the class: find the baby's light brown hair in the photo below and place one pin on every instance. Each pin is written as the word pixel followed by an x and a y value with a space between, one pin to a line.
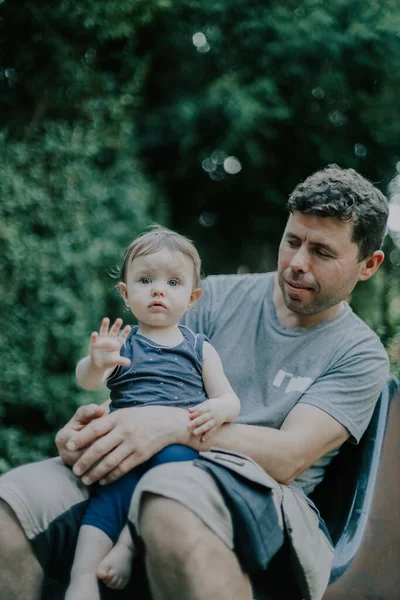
pixel 156 238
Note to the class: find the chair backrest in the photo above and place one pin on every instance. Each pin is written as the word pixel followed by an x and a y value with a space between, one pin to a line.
pixel 345 495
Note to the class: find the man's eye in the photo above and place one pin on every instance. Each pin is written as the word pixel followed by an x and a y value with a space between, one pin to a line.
pixel 293 243
pixel 322 254
pixel 173 282
pixel 145 280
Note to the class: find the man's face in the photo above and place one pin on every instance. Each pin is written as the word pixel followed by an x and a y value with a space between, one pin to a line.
pixel 318 263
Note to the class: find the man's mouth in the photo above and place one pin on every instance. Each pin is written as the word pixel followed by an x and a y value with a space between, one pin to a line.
pixel 297 285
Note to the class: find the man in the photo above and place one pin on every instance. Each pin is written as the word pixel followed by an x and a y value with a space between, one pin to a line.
pixel 308 373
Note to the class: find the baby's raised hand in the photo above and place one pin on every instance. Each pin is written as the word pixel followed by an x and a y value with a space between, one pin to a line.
pixel 106 344
pixel 206 418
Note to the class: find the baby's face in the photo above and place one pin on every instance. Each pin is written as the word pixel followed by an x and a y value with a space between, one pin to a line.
pixel 159 288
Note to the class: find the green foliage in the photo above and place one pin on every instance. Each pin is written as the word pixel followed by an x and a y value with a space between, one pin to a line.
pixel 99 98
pixel 286 87
pixel 68 211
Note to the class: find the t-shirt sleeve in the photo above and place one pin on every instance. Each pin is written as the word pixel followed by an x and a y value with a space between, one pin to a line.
pixel 348 391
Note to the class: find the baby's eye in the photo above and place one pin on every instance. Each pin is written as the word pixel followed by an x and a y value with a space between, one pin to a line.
pixel 145 280
pixel 173 282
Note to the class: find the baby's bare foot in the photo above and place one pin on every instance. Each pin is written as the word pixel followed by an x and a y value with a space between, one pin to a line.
pixel 115 568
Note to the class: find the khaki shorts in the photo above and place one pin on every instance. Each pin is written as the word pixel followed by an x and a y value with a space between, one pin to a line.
pixel 43 492
pixel 308 546
pixel 49 501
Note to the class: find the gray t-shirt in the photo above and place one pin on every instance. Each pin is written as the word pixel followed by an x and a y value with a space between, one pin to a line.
pixel 340 366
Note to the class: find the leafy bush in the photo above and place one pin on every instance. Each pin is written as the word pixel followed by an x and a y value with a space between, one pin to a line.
pixel 69 207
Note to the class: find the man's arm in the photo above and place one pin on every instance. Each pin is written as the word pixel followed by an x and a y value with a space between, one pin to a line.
pixel 306 434
pixel 113 444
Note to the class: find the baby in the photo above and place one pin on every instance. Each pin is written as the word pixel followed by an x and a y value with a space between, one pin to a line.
pixel 157 362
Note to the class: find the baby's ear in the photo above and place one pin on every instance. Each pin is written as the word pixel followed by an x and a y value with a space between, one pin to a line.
pixel 123 290
pixel 195 295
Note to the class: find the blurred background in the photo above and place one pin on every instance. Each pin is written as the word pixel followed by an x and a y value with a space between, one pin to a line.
pixel 202 116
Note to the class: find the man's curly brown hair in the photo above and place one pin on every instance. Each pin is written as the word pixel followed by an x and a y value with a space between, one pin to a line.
pixel 349 197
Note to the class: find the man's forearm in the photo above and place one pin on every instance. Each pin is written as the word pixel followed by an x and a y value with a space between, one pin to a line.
pixel 272 449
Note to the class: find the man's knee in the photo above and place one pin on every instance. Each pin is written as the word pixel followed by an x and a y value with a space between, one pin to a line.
pixel 180 548
pixel 181 528
pixel 16 553
pixel 11 532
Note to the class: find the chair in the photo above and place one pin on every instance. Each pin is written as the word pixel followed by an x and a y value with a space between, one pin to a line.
pixel 346 498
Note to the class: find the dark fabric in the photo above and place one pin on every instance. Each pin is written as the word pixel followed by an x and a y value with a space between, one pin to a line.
pixel 55 547
pixel 277 582
pixel 258 531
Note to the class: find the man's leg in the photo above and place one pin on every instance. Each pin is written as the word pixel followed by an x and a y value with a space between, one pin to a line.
pixel 17 559
pixel 46 502
pixel 187 560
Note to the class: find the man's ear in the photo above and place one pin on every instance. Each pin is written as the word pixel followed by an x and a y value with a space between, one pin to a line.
pixel 195 295
pixel 371 265
pixel 123 290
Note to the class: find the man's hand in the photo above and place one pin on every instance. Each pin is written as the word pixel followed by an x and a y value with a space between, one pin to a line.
pixel 115 443
pixel 83 416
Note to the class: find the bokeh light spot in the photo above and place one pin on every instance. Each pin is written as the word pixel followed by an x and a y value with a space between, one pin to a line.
pixel 208 165
pixel 318 93
pixel 360 150
pixel 208 219
pixel 337 118
pixel 394 215
pixel 232 165
pixel 218 157
pixel 199 39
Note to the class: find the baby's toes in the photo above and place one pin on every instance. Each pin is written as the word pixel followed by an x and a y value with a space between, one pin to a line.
pixel 116 581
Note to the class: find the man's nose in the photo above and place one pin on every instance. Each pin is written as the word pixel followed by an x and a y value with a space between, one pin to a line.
pixel 300 261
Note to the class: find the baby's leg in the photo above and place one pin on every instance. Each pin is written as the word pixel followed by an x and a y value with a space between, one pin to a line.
pixel 173 453
pixel 115 568
pixel 93 545
pixel 102 524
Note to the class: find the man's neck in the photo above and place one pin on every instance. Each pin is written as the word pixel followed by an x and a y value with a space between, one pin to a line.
pixel 289 319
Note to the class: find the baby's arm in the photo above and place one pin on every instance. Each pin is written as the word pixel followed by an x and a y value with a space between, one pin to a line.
pixel 105 346
pixel 223 405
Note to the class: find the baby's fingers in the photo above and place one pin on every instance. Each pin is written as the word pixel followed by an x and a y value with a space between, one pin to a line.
pixel 93 338
pixel 201 409
pixel 124 334
pixel 123 361
pixel 206 436
pixel 205 427
pixel 196 422
pixel 104 327
pixel 114 329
